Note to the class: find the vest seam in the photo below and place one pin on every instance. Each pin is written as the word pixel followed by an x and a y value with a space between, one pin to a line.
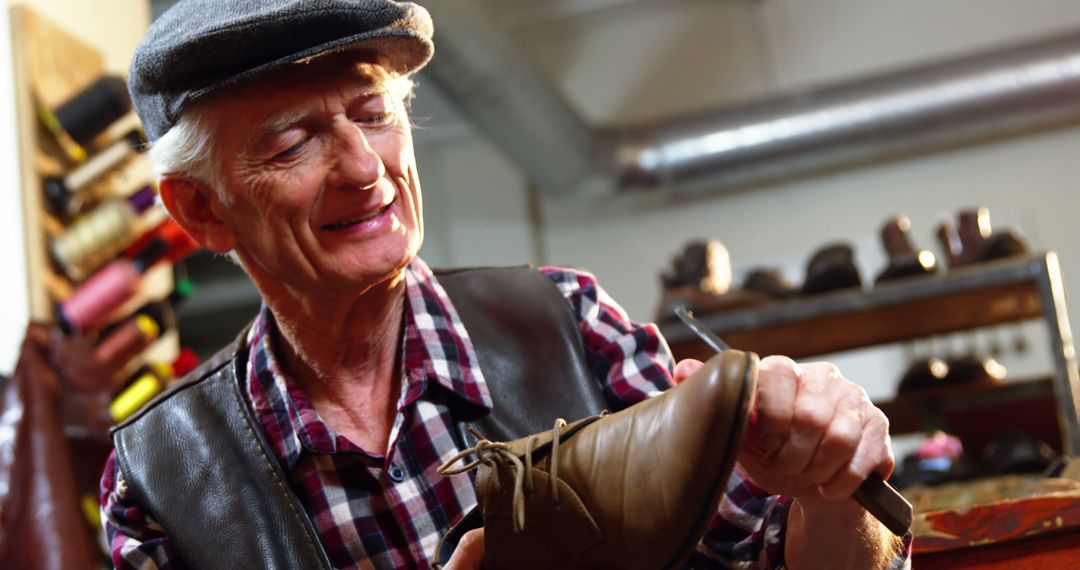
pixel 281 485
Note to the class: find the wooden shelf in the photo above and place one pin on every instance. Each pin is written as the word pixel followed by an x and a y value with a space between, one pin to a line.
pixel 968 298
pixel 50 65
pixel 905 410
pixel 1017 404
pixel 963 299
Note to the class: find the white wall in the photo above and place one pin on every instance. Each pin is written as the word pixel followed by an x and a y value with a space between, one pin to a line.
pixel 650 62
pixel 15 310
pixel 476 213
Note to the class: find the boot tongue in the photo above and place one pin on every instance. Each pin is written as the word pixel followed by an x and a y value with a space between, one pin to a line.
pixel 543 440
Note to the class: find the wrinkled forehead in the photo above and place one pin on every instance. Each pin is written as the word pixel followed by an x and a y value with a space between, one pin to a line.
pixel 240 112
pixel 354 68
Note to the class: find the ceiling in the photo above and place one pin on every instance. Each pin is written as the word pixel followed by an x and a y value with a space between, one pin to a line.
pixel 518 14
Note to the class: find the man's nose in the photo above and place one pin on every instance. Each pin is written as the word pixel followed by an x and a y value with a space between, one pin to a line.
pixel 357 164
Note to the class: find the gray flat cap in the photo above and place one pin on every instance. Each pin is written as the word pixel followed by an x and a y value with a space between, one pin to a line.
pixel 199 47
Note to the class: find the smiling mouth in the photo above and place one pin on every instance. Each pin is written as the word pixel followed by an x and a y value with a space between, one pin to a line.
pixel 356 219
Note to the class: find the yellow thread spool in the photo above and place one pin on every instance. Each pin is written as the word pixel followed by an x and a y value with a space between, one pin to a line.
pixel 136 396
pixel 91 511
pixel 147 326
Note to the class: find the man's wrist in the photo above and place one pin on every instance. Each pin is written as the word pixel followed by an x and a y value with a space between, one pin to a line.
pixel 820 511
pixel 848 533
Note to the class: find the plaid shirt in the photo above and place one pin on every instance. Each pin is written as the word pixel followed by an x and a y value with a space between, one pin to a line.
pixel 375 511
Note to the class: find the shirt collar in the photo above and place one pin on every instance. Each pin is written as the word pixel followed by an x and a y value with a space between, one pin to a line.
pixel 436 340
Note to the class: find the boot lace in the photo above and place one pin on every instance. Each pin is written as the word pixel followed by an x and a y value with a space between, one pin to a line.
pixel 491 453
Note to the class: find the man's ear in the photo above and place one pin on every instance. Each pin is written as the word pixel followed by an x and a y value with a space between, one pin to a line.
pixel 193 205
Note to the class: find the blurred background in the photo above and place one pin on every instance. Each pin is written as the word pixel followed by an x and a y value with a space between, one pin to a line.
pixel 611 135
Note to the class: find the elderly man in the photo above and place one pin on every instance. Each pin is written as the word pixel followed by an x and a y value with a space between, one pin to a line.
pixel 281 136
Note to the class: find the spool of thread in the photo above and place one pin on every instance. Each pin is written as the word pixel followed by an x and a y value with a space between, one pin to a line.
pixel 141 391
pixel 63 194
pixel 150 381
pixel 91 111
pixel 180 244
pixel 101 234
pixel 90 304
pixel 92 511
pixel 163 371
pixel 185 362
pixel 72 149
pixel 129 339
pixel 183 289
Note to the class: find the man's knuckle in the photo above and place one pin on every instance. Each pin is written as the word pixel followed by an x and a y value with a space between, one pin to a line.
pixel 877 420
pixel 810 416
pixel 826 371
pixel 843 436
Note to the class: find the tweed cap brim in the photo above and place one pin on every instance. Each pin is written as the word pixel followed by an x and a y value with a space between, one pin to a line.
pixel 200 47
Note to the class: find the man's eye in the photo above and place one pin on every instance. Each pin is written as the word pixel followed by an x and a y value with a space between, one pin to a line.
pixel 292 150
pixel 375 119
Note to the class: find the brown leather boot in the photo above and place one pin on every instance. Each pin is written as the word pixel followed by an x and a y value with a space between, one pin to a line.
pixel 700 279
pixel 904 259
pixel 973 241
pixel 633 489
pixel 831 268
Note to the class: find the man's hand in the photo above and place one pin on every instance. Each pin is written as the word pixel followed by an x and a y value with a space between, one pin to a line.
pixel 814 435
pixel 469 552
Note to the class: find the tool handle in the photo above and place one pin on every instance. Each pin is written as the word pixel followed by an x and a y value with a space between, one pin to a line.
pixel 885 503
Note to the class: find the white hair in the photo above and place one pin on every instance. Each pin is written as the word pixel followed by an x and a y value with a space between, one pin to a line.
pixel 186 149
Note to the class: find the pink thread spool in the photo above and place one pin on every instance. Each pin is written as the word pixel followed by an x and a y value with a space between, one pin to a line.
pixel 91 304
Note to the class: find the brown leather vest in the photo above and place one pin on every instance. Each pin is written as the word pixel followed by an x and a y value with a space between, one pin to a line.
pixel 197 461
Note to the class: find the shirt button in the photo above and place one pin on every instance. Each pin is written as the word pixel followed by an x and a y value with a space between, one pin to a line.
pixel 396 473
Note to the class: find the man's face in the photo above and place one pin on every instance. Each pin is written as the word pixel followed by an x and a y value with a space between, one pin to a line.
pixel 319 166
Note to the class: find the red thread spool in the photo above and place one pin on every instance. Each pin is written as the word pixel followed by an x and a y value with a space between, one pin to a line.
pixel 185 362
pixel 90 304
pixel 129 339
pixel 180 244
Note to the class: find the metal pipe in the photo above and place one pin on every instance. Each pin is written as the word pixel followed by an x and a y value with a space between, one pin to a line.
pixel 967 100
pixel 544 12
